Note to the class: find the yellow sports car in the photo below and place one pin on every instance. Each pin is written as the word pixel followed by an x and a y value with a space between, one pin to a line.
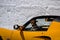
pixel 37 28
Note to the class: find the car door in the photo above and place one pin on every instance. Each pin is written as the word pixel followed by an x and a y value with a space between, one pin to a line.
pixel 36 34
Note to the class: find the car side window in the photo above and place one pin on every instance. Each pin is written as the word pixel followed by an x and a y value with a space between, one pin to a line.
pixel 57 19
pixel 41 23
pixel 29 25
pixel 27 28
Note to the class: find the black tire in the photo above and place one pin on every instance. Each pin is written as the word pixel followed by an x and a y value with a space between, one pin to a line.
pixel 1 38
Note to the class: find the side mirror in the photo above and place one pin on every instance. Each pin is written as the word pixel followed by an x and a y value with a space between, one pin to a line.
pixel 16 26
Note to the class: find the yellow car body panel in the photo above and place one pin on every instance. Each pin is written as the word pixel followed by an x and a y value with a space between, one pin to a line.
pixel 54 30
pixel 30 35
pixel 10 34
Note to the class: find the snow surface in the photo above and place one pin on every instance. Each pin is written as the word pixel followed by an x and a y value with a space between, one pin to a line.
pixel 20 11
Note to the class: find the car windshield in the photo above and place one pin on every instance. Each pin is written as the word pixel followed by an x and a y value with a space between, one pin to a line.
pixel 42 25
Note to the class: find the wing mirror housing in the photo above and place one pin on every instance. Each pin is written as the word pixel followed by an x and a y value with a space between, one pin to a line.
pixel 18 27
